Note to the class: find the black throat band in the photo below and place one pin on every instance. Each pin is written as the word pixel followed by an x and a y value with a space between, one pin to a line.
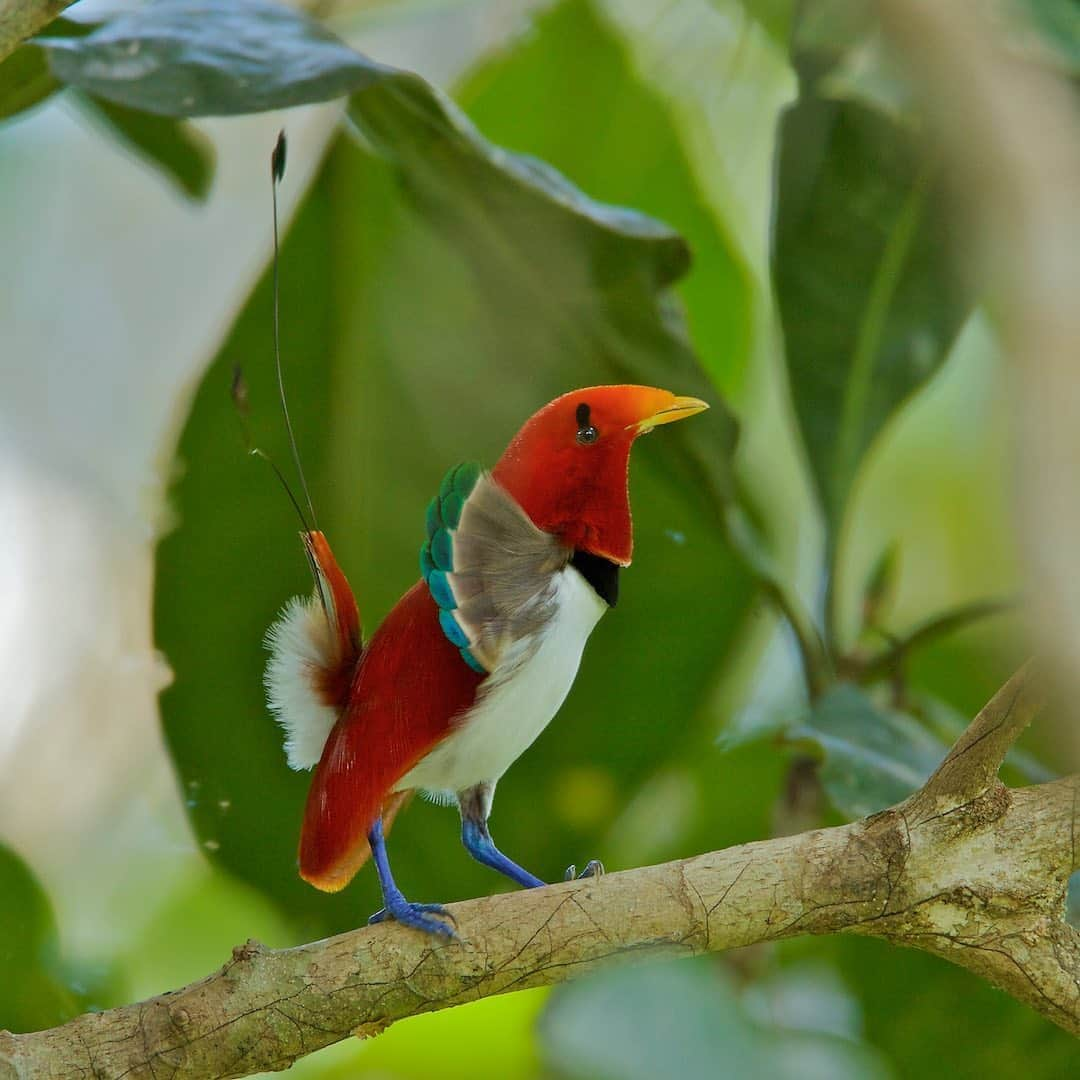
pixel 602 574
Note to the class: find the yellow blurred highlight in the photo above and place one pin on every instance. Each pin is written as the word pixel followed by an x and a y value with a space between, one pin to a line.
pixel 584 797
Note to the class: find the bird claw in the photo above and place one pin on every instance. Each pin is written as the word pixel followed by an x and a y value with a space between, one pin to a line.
pixel 418 916
pixel 593 868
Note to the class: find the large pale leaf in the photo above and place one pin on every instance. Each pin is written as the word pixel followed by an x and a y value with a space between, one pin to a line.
pixel 430 303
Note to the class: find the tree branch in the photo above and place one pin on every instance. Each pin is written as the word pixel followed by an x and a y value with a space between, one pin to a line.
pixel 21 19
pixel 966 868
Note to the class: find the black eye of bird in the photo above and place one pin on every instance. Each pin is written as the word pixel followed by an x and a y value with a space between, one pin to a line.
pixel 586 433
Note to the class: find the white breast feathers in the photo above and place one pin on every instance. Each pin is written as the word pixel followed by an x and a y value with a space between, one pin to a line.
pixel 517 701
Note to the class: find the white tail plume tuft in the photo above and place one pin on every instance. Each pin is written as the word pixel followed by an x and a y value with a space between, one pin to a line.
pixel 301 643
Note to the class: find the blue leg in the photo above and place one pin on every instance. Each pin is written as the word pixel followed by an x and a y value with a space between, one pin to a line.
pixel 396 906
pixel 475 804
pixel 478 843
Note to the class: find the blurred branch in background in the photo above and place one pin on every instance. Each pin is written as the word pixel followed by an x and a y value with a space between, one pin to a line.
pixel 21 19
pixel 965 868
pixel 1007 130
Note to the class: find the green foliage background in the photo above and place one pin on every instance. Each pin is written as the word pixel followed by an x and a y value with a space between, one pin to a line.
pixel 431 299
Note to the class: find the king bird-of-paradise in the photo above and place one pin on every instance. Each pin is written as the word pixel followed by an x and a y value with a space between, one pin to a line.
pixel 476 658
pixel 472 663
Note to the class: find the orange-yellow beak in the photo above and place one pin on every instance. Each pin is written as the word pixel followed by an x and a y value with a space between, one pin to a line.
pixel 675 408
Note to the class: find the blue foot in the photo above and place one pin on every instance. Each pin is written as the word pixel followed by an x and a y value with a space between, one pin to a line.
pixel 593 868
pixel 417 916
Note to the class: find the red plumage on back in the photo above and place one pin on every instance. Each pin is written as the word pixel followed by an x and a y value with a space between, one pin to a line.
pixel 409 687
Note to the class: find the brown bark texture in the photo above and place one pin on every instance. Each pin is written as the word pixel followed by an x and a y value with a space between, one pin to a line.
pixel 20 19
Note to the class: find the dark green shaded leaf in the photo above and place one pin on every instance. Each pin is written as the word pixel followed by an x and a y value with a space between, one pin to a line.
pixel 868 301
pixel 932 1019
pixel 25 81
pixel 211 58
pixel 25 78
pixel 32 993
pixel 412 342
pixel 182 154
pixel 640 1023
pixel 871 757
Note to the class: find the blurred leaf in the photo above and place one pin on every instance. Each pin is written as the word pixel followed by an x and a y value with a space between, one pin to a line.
pixel 932 1019
pixel 827 29
pixel 642 1022
pixel 1058 23
pixel 879 593
pixel 490 1037
pixel 502 208
pixel 429 305
pixel 872 757
pixel 32 993
pixel 182 154
pixel 723 84
pixel 211 58
pixel 870 74
pixel 25 78
pixel 774 16
pixel 867 300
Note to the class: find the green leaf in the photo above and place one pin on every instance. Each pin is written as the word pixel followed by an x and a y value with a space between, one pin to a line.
pixel 879 592
pixel 211 58
pixel 872 757
pixel 632 1023
pixel 867 299
pixel 430 303
pixel 1058 24
pixel 933 1019
pixel 33 995
pixel 25 81
pixel 183 155
pixel 467 187
pixel 774 16
pixel 25 78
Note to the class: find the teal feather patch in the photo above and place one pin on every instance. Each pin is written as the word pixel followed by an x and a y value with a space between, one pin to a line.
pixel 442 550
pixel 426 565
pixel 441 592
pixel 434 518
pixel 472 662
pixel 450 507
pixel 437 554
pixel 451 629
pixel 465 477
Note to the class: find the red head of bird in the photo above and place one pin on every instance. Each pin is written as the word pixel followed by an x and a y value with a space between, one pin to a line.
pixel 568 466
